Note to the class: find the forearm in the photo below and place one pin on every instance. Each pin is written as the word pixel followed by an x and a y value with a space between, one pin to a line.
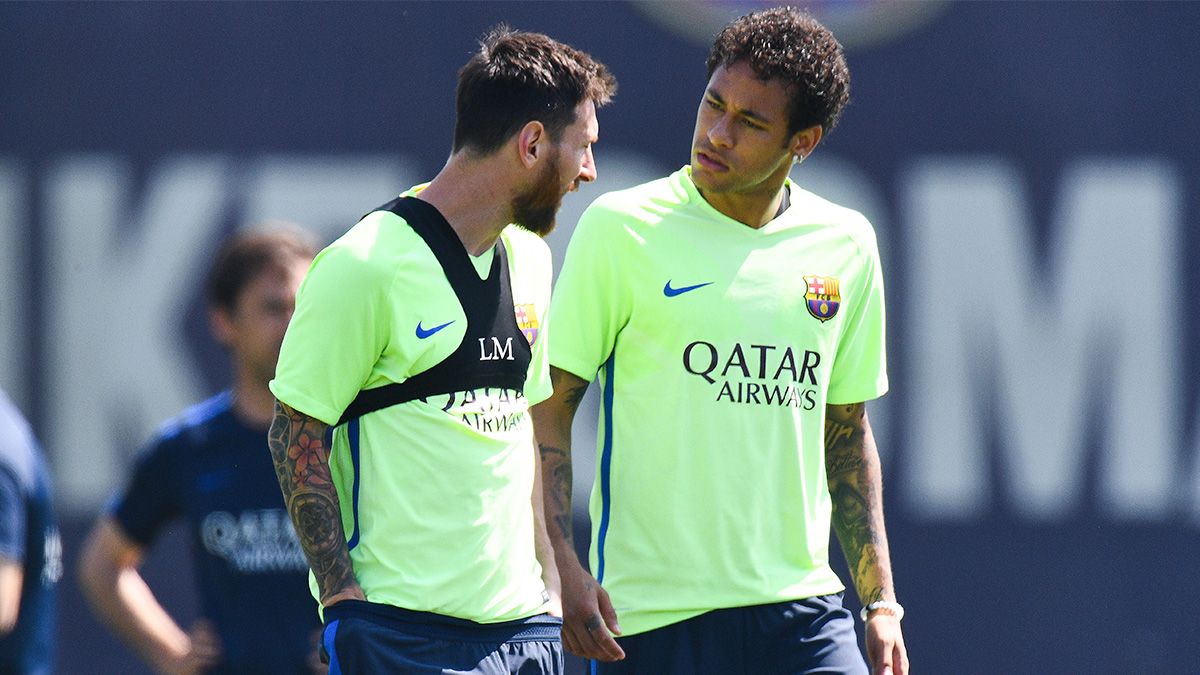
pixel 556 495
pixel 552 424
pixel 543 547
pixel 297 444
pixel 12 574
pixel 856 487
pixel 131 611
pixel 121 599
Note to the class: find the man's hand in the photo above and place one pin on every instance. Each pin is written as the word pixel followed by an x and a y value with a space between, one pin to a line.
pixel 315 665
pixel 885 645
pixel 204 651
pixel 589 620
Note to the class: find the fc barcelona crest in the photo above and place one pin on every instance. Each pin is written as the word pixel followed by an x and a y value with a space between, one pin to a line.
pixel 527 321
pixel 822 297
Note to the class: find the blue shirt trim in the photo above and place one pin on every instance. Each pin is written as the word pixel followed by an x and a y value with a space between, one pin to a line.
pixel 352 437
pixel 198 415
pixel 605 466
pixel 329 636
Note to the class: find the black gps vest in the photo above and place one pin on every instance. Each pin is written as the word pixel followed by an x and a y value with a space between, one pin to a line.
pixel 493 353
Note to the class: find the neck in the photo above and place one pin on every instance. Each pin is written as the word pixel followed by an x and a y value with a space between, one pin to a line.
pixel 471 195
pixel 253 402
pixel 755 207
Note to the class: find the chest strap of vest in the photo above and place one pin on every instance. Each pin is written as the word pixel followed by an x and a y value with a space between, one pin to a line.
pixel 488 305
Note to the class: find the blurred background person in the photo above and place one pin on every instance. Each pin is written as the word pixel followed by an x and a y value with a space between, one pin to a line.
pixel 30 550
pixel 210 467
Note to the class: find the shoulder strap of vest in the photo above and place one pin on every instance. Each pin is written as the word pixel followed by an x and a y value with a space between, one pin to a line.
pixel 444 248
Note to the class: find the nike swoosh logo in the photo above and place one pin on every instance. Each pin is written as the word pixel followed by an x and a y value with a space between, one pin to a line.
pixel 423 333
pixel 672 292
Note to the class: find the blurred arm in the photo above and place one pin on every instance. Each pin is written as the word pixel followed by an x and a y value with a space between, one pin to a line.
pixel 120 598
pixel 301 459
pixel 12 545
pixel 12 573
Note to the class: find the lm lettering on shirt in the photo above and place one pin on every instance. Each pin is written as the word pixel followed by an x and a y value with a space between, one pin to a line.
pixel 495 351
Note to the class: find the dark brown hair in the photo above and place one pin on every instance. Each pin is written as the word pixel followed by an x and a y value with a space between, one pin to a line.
pixel 788 44
pixel 246 255
pixel 518 77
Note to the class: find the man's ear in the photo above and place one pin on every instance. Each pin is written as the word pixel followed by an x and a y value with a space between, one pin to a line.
pixel 530 141
pixel 805 141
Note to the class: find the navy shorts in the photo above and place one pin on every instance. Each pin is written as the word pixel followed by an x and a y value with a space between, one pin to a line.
pixel 810 637
pixel 364 638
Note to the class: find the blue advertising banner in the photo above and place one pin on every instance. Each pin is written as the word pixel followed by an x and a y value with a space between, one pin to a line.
pixel 1030 168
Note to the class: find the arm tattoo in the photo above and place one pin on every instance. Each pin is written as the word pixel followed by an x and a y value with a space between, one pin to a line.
pixel 556 464
pixel 573 396
pixel 556 456
pixel 297 444
pixel 855 485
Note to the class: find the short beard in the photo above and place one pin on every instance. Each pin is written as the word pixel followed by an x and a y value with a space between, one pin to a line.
pixel 535 210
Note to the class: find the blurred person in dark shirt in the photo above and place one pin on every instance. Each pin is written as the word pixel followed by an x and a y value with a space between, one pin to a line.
pixel 30 550
pixel 210 468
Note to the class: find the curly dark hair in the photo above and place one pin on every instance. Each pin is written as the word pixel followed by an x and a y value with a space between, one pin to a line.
pixel 789 44
pixel 517 77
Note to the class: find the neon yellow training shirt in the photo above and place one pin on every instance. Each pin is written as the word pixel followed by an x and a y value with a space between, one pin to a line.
pixel 718 347
pixel 435 497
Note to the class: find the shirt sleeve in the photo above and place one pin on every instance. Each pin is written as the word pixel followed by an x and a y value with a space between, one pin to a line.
pixel 12 516
pixel 860 368
pixel 537 379
pixel 337 333
pixel 590 304
pixel 151 498
pixel 538 387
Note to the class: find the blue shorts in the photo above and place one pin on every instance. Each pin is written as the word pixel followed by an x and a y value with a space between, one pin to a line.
pixel 365 638
pixel 810 636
